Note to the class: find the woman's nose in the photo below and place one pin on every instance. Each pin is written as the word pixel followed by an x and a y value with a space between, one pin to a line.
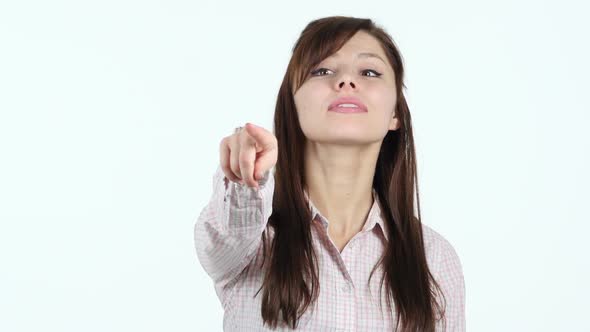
pixel 343 83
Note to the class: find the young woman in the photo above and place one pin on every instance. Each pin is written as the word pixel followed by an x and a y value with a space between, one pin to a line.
pixel 315 228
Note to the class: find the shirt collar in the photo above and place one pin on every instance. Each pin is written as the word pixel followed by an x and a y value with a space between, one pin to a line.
pixel 375 217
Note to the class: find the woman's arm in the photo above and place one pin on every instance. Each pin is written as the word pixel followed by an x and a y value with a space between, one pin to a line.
pixel 228 231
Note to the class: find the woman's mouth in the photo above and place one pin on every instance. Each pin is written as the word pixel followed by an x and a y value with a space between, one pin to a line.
pixel 347 108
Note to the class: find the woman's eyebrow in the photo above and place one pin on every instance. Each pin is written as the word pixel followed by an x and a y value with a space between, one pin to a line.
pixel 364 55
pixel 369 55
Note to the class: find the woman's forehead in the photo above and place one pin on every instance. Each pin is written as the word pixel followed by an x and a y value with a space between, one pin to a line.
pixel 361 42
pixel 360 47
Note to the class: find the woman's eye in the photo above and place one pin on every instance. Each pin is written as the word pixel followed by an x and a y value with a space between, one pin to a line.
pixel 318 71
pixel 321 70
pixel 371 70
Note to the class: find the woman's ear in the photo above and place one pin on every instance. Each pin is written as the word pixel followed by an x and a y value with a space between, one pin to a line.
pixel 394 123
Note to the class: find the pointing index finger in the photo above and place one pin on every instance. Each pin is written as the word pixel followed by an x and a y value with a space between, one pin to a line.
pixel 262 137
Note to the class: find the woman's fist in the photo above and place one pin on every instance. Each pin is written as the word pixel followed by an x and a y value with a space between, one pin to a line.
pixel 247 154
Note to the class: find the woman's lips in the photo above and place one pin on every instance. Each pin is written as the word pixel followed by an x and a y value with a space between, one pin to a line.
pixel 347 110
pixel 348 101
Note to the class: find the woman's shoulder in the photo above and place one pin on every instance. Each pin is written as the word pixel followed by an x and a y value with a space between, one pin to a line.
pixel 440 253
pixel 446 268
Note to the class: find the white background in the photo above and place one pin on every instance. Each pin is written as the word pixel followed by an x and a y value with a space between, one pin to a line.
pixel 112 113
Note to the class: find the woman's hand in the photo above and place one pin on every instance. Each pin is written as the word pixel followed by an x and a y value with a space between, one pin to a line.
pixel 247 154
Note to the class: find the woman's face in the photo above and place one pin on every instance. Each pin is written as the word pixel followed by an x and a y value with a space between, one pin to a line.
pixel 349 74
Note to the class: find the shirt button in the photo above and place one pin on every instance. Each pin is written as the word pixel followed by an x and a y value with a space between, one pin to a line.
pixel 346 288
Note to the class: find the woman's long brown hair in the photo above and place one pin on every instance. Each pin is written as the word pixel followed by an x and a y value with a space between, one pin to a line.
pixel 291 281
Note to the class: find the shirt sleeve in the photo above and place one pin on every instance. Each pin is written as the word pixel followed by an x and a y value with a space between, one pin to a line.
pixel 452 282
pixel 228 230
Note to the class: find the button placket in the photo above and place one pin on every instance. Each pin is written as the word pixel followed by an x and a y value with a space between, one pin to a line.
pixel 349 303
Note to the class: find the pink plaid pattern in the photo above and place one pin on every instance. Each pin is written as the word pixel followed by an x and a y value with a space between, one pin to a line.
pixel 228 245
